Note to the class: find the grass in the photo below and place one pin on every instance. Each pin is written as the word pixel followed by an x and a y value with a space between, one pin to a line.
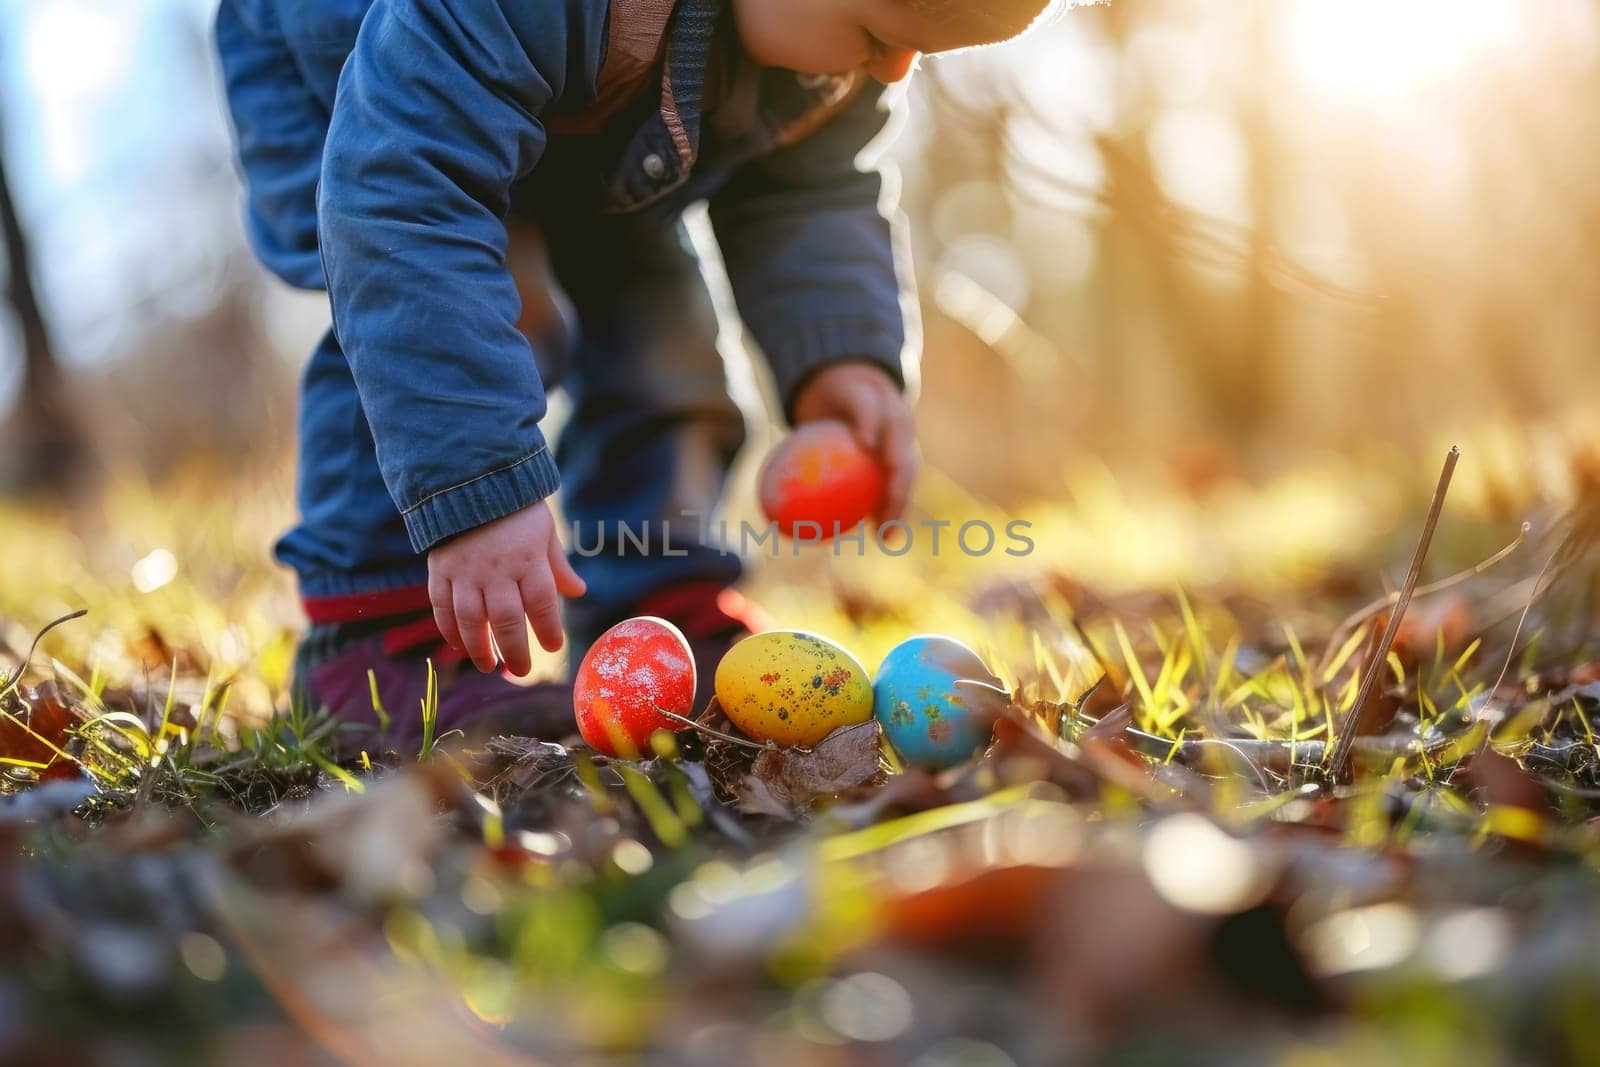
pixel 1156 859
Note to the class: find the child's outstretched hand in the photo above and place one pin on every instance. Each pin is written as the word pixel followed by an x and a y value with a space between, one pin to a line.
pixel 865 398
pixel 488 582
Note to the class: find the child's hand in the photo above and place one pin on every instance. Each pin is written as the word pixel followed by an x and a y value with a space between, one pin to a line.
pixel 488 581
pixel 865 398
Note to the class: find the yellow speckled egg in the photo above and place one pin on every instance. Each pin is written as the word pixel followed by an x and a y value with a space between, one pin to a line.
pixel 792 687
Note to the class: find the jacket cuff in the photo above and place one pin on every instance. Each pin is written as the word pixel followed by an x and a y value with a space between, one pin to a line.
pixel 482 500
pixel 801 353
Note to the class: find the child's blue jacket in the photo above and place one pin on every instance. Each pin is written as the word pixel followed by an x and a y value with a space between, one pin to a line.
pixel 388 178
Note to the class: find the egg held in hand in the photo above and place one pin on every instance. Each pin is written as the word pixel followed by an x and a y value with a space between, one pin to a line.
pixel 820 474
pixel 638 666
pixel 931 719
pixel 791 687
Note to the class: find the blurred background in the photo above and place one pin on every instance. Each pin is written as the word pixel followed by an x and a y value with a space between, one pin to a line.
pixel 1220 233
pixel 1203 241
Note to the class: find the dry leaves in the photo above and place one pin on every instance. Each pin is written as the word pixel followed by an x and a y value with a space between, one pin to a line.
pixel 372 847
pixel 34 731
pixel 785 782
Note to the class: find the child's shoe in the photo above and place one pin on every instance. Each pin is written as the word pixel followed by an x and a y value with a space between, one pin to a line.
pixel 339 666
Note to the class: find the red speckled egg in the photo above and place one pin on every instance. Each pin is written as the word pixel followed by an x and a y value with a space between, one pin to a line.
pixel 637 666
pixel 820 474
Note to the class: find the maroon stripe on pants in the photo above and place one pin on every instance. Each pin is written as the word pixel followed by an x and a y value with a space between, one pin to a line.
pixel 355 607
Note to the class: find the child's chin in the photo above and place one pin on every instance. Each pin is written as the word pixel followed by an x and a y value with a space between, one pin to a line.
pixel 811 71
pixel 783 59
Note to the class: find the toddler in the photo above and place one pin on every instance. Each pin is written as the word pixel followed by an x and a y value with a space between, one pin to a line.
pixel 491 192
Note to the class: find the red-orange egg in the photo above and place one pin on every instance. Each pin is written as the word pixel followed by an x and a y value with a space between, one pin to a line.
pixel 636 669
pixel 820 474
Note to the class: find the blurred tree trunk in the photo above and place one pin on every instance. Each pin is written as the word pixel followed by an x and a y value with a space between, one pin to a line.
pixel 43 447
pixel 1174 362
pixel 1254 372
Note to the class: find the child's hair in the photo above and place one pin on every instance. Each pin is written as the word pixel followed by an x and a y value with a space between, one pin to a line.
pixel 987 21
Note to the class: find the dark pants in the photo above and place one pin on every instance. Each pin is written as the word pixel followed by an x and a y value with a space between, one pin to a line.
pixel 629 331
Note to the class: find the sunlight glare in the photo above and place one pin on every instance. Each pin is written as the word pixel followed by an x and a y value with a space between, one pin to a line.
pixel 1196 865
pixel 76 50
pixel 1382 48
pixel 152 572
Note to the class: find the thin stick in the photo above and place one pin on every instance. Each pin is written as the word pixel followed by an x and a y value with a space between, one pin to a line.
pixel 1511 653
pixel 703 728
pixel 1352 720
pixel 1083 698
pixel 1567 555
pixel 16 675
pixel 1361 616
pixel 1522 620
pixel 1094 650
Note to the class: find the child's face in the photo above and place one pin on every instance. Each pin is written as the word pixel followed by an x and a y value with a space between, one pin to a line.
pixel 881 38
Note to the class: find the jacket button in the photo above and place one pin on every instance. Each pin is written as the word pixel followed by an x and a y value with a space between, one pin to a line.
pixel 654 166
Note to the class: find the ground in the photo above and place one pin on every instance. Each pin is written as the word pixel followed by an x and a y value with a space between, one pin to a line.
pixel 1161 857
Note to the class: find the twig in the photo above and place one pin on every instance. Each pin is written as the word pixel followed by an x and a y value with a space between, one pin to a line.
pixel 1083 697
pixel 703 728
pixel 1347 730
pixel 1511 650
pixel 1272 755
pixel 1357 618
pixel 1094 649
pixel 1522 620
pixel 16 675
pixel 978 684
pixel 1567 556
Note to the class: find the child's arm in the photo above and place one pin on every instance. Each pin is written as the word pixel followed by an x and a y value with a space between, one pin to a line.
pixel 437 115
pixel 810 245
pixel 279 124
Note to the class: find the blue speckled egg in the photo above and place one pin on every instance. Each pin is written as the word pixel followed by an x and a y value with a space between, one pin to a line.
pixel 931 721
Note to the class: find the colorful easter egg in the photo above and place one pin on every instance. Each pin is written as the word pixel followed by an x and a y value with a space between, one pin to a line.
pixel 792 688
pixel 638 666
pixel 820 474
pixel 932 721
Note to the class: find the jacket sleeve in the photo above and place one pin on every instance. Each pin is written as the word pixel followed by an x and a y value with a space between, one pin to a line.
pixel 813 248
pixel 437 115
pixel 279 126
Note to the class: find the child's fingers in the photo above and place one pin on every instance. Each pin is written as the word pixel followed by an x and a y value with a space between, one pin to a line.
pixel 540 602
pixel 444 612
pixel 567 581
pixel 510 627
pixel 473 618
pixel 866 419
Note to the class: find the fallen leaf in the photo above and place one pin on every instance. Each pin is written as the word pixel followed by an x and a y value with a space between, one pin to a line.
pixel 992 912
pixel 1502 782
pixel 756 797
pixel 526 764
pixel 788 780
pixel 909 792
pixel 1112 724
pixel 374 847
pixel 37 733
pixel 1018 755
